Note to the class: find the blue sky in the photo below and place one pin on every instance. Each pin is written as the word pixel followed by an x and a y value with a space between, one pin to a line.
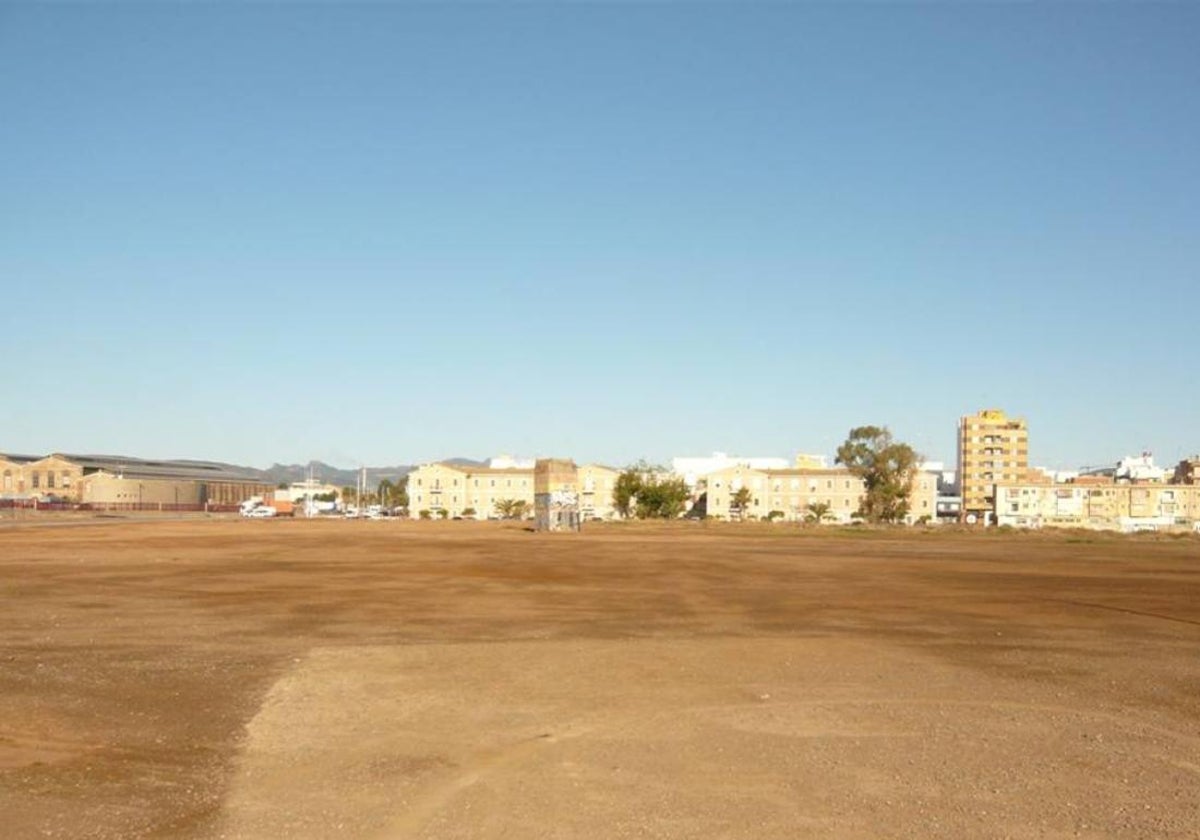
pixel 388 233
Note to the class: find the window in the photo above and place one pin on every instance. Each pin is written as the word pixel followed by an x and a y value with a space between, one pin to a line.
pixel 50 479
pixel 8 479
pixel 66 479
pixel 491 482
pixel 35 480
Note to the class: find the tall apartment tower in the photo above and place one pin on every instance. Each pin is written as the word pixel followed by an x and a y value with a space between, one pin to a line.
pixel 993 448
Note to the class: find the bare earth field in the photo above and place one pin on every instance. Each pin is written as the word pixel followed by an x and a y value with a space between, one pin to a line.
pixel 288 679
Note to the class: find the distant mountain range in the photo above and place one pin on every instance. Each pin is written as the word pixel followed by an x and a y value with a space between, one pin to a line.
pixel 287 473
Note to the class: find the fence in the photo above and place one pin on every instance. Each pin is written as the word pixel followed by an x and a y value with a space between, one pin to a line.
pixel 139 507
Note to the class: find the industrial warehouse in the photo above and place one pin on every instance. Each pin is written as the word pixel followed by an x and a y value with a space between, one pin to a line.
pixel 111 482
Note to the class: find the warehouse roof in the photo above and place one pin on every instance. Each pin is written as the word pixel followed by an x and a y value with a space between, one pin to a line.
pixel 19 459
pixel 178 469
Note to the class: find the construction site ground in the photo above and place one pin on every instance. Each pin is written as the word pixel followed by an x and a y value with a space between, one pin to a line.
pixel 260 679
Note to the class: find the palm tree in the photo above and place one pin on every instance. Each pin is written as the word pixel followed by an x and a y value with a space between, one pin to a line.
pixel 740 501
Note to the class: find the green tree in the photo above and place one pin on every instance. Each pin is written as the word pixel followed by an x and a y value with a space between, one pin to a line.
pixel 740 501
pixel 661 498
pixel 393 494
pixel 385 491
pixel 625 489
pixel 887 468
pixel 818 512
pixel 638 491
pixel 511 508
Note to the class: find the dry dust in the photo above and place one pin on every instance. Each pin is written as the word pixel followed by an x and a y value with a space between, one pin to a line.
pixel 234 679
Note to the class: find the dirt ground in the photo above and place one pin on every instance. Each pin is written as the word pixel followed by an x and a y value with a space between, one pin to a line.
pixel 289 679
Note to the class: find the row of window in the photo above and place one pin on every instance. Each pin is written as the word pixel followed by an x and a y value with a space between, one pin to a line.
pixel 794 484
pixel 35 480
pixel 508 482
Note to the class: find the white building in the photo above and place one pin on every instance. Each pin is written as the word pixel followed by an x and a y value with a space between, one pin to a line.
pixel 298 491
pixel 508 462
pixel 692 469
pixel 1139 468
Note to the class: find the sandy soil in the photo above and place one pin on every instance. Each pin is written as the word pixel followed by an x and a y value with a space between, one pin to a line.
pixel 291 679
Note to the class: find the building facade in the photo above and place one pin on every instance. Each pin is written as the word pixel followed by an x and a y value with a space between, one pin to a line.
pixel 39 477
pixel 790 494
pixel 112 481
pixel 470 491
pixel 556 495
pixel 596 485
pixel 466 490
pixel 993 448
pixel 1103 504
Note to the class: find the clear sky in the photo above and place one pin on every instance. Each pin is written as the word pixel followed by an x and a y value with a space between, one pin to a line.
pixel 387 233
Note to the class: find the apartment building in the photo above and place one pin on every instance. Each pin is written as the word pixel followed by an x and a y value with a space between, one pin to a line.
pixel 457 488
pixel 596 484
pixel 993 448
pixel 791 491
pixel 1104 504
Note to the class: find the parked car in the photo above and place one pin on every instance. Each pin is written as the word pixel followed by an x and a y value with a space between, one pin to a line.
pixel 261 512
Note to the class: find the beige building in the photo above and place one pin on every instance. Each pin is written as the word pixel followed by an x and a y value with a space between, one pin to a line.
pixel 596 485
pixel 993 448
pixel 556 494
pixel 465 490
pixel 1094 504
pixel 457 489
pixel 103 489
pixel 117 481
pixel 790 492
pixel 49 477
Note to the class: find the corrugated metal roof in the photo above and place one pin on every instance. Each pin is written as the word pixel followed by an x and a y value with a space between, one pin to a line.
pixel 144 468
pixel 19 459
